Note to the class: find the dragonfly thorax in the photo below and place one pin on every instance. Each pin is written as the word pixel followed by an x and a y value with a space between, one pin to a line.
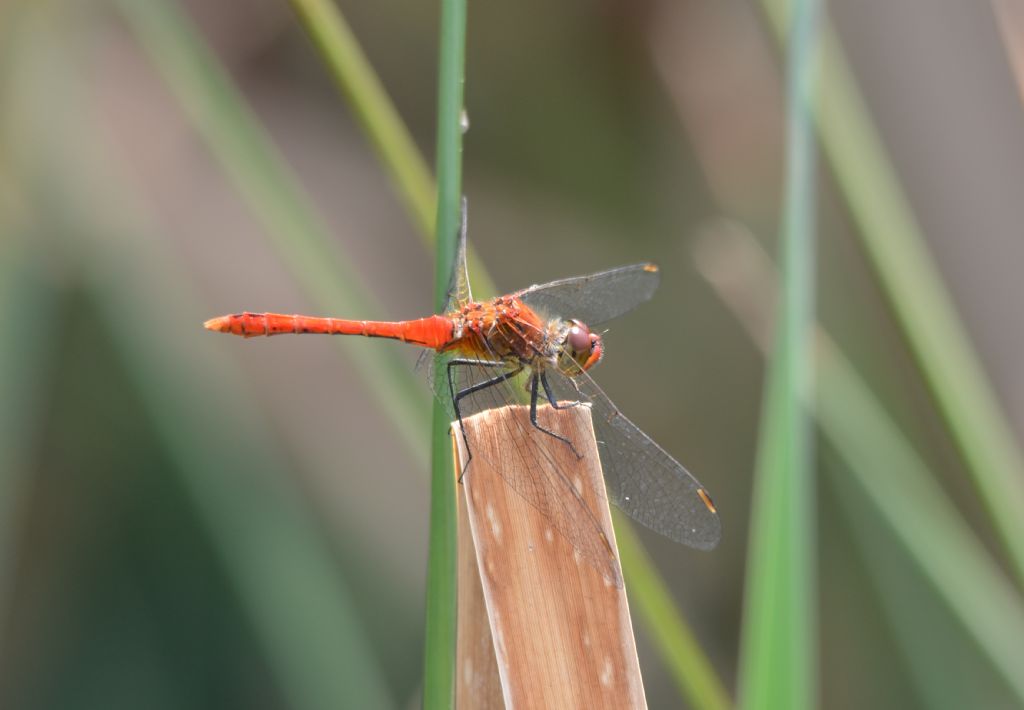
pixel 507 329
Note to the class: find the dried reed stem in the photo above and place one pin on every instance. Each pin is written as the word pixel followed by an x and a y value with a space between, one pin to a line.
pixel 539 625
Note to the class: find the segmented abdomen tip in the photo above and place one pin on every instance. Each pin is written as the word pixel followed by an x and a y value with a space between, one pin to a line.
pixel 221 324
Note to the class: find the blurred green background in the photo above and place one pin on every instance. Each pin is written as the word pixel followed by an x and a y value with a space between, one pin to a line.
pixel 197 521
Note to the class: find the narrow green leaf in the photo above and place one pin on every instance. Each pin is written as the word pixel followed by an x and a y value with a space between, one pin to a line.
pixel 439 669
pixel 778 662
pixel 908 273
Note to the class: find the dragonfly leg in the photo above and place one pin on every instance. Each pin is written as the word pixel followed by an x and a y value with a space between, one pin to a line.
pixel 458 396
pixel 551 397
pixel 533 414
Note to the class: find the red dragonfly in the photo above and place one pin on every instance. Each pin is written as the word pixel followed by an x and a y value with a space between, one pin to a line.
pixel 542 337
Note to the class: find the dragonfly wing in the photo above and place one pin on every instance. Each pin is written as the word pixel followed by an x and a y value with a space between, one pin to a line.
pixel 458 285
pixel 531 465
pixel 643 480
pixel 596 298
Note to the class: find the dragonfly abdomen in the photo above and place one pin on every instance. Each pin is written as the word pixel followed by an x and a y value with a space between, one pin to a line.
pixel 431 332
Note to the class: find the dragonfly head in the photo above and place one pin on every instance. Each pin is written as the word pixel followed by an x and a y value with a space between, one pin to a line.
pixel 581 346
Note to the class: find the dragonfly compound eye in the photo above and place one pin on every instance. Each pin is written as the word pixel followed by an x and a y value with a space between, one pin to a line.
pixel 579 338
pixel 584 346
pixel 596 351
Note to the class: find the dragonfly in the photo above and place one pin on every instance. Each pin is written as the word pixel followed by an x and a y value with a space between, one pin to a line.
pixel 538 346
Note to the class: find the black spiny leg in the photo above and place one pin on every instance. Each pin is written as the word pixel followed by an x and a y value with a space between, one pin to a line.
pixel 551 397
pixel 533 414
pixel 458 396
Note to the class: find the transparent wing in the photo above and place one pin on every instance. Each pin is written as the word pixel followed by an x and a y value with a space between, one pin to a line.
pixel 596 298
pixel 537 477
pixel 458 286
pixel 643 480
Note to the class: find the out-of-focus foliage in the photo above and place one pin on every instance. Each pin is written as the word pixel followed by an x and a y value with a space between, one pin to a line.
pixel 192 521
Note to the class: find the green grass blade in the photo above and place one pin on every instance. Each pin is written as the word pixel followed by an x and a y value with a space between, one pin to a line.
pixel 778 656
pixel 890 474
pixel 376 114
pixel 674 639
pixel 260 175
pixel 449 142
pixel 439 669
pixel 925 311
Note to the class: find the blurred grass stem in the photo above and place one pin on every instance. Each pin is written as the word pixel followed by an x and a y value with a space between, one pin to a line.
pixel 778 666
